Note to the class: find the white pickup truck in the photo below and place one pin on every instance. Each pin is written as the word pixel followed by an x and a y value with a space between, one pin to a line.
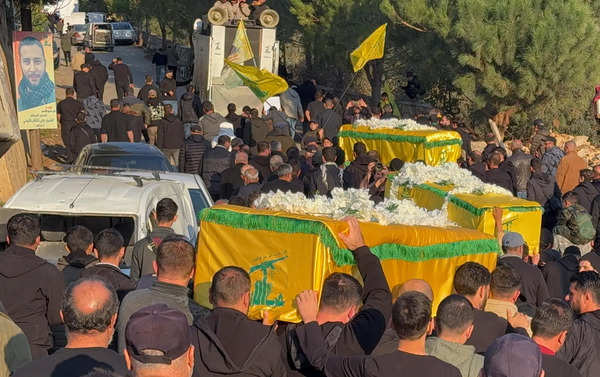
pixel 98 202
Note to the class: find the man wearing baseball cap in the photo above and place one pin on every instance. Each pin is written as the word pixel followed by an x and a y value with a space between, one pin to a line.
pixel 513 355
pixel 533 286
pixel 158 343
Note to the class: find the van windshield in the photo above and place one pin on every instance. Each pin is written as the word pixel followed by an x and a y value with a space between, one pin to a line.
pixel 121 26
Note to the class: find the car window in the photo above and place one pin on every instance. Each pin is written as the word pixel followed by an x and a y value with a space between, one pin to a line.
pixel 198 201
pixel 121 26
pixel 79 27
pixel 131 162
pixel 103 27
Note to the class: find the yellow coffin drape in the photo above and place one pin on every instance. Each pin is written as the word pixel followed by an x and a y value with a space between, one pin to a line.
pixel 287 253
pixel 475 211
pixel 432 147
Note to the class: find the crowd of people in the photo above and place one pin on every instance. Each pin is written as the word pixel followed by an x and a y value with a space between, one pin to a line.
pixel 531 316
pixel 88 318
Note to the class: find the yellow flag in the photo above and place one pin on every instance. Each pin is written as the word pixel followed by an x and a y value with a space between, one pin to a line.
pixel 263 83
pixel 371 48
pixel 241 51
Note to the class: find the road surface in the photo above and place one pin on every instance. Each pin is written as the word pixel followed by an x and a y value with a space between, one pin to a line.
pixel 139 64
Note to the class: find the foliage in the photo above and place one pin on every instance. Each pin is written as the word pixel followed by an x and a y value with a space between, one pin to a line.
pixel 332 29
pixel 534 57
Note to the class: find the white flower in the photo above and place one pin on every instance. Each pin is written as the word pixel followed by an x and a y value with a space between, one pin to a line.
pixel 464 182
pixel 400 124
pixel 355 203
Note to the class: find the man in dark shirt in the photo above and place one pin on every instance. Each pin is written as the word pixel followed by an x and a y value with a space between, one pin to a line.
pixel 168 86
pixel 533 286
pixel 136 122
pixel 583 340
pixel 149 85
pixel 144 251
pixel 214 163
pixel 123 77
pixel 192 153
pixel 80 245
pixel 100 73
pixel 330 121
pixel 285 181
pixel 411 318
pixel 108 245
pixel 31 289
pixel 84 83
pixel 497 175
pixel 351 317
pixel 115 125
pixel 315 107
pixel 228 342
pixel 171 136
pixel 593 257
pixel 231 179
pixel 558 273
pixel 66 111
pixel 89 310
pixel 472 281
pixel 550 326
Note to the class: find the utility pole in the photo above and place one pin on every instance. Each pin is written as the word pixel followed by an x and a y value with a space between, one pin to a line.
pixel 35 141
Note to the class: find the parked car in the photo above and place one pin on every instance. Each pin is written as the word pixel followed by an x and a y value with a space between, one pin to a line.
pixel 124 155
pixel 99 36
pixel 65 199
pixel 78 36
pixel 123 32
pixel 141 160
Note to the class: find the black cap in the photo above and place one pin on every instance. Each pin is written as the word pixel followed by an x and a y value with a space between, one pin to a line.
pixel 157 327
pixel 310 139
pixel 538 122
pixel 311 149
pixel 236 142
pixel 196 128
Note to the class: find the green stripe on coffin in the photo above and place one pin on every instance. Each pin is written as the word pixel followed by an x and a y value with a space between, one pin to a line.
pixel 342 256
pixel 400 138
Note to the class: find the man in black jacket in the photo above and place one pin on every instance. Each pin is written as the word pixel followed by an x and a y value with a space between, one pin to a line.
pixel 189 106
pixel 100 74
pixel 168 86
pixel 80 135
pixel 80 245
pixel 31 289
pixel 472 281
pixel 330 121
pixel 228 343
pixel 558 274
pixel 123 76
pixel 108 245
pixel 192 153
pixel 358 168
pixel 216 161
pixel 586 191
pixel 261 161
pixel 84 83
pixel 66 111
pixel 521 162
pixel 583 339
pixel 497 175
pixel 115 125
pixel 170 136
pixel 144 251
pixel 143 93
pixel 324 180
pixel 231 179
pixel 286 181
pixel 533 286
pixel 550 327
pixel 351 318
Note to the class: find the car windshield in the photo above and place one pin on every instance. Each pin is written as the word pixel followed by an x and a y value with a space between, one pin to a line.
pixel 102 27
pixel 121 26
pixel 198 201
pixel 131 162
pixel 79 27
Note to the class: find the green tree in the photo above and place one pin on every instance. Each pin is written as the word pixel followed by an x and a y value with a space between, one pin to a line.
pixel 332 29
pixel 527 57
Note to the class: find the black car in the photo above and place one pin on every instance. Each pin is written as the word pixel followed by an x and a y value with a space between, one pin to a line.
pixel 124 155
